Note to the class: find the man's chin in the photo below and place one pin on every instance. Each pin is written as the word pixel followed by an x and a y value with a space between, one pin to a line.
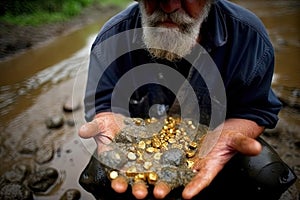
pixel 163 54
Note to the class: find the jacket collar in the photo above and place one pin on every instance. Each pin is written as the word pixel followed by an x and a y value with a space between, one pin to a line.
pixel 214 30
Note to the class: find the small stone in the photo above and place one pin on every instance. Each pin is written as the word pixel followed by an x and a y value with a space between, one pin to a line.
pixel 71 106
pixel 113 175
pixel 147 165
pixel 55 122
pixel 28 146
pixel 17 174
pixel 42 180
pixel 170 175
pixel 45 154
pixel 173 157
pixel 71 123
pixel 297 144
pixel 114 159
pixel 131 156
pixel 71 194
pixel 157 156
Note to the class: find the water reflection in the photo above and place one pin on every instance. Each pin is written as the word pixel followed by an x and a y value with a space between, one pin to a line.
pixel 25 77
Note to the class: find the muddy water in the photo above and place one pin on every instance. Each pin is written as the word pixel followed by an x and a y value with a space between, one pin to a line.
pixel 281 19
pixel 31 73
pixel 43 77
pixel 33 86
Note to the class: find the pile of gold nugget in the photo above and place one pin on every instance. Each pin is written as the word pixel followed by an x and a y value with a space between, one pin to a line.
pixel 151 150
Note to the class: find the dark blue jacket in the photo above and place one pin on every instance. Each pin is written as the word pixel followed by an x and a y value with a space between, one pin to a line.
pixel 235 40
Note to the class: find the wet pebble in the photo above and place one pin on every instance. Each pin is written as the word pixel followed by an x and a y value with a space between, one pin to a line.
pixel 28 146
pixel 45 153
pixel 17 174
pixel 71 122
pixel 71 106
pixel 171 176
pixel 71 194
pixel 15 191
pixel 297 144
pixel 114 159
pixel 69 151
pixel 42 180
pixel 56 121
pixel 173 157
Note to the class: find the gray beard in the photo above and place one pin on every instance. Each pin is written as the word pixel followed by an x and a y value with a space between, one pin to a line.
pixel 171 43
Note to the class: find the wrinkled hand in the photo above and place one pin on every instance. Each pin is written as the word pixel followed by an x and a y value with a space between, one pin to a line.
pixel 230 141
pixel 103 128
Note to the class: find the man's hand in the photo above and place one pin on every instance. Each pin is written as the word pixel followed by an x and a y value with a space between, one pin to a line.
pixel 103 128
pixel 237 135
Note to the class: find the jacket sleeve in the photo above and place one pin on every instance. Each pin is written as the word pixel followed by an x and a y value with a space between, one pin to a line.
pixel 252 97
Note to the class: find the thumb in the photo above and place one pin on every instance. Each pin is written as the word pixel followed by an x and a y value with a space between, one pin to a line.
pixel 90 129
pixel 246 145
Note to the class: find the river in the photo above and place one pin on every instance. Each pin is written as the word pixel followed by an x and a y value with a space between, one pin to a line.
pixel 46 75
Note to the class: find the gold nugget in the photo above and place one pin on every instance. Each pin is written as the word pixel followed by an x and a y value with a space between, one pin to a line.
pixel 150 149
pixel 190 154
pixel 156 142
pixel 190 164
pixel 152 177
pixel 138 121
pixel 142 145
pixel 131 171
pixel 139 177
pixel 172 141
pixel 193 145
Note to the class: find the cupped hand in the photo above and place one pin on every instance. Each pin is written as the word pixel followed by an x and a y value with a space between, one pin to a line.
pixel 230 140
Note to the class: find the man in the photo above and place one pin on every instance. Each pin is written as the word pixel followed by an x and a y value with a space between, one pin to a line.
pixel 239 46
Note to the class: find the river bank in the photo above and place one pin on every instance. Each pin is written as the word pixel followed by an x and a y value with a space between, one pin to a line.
pixel 26 136
pixel 16 39
pixel 30 150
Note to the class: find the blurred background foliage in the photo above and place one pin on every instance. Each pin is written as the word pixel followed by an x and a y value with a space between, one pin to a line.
pixel 36 12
